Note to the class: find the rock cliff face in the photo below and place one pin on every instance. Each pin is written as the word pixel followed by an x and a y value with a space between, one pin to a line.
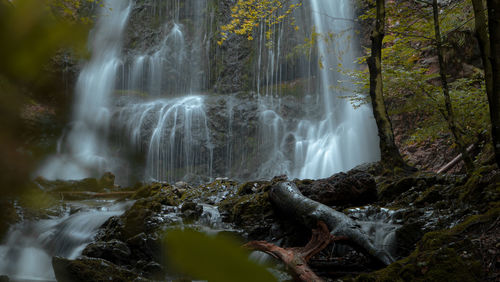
pixel 229 136
pixel 225 69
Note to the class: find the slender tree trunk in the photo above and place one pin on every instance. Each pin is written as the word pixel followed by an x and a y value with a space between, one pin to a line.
pixel 389 151
pixel 494 100
pixel 450 117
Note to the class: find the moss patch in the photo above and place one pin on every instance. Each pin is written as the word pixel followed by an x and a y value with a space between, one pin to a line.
pixel 89 269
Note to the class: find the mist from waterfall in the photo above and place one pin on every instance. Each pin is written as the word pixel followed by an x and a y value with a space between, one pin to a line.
pixel 145 108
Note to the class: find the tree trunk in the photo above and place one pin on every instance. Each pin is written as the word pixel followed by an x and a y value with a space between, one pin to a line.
pixel 450 117
pixel 287 197
pixel 494 100
pixel 389 152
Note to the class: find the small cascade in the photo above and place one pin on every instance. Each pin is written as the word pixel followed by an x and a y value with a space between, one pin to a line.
pixel 173 134
pixel 380 224
pixel 28 250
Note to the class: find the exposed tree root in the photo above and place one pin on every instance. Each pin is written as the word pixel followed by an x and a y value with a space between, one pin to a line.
pixel 297 258
pixel 288 199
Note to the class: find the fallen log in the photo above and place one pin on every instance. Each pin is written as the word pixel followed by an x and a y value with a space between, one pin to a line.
pixel 287 197
pixel 297 258
pixel 455 160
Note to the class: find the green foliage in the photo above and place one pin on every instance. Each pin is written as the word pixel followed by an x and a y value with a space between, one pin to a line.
pixel 411 77
pixel 210 258
pixel 247 15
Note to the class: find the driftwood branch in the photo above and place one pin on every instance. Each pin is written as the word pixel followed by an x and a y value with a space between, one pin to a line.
pixel 297 258
pixel 455 161
pixel 288 198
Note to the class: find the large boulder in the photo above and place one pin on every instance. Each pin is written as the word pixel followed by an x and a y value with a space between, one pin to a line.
pixel 114 251
pixel 353 188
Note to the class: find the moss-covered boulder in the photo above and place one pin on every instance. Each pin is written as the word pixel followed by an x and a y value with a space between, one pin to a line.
pixel 250 209
pixel 446 255
pixel 191 211
pixel 114 251
pixel 107 180
pixel 353 188
pixel 89 269
pixel 87 184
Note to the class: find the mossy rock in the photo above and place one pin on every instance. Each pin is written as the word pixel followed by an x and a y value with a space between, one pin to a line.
pixel 430 196
pixel 210 193
pixel 406 238
pixel 86 184
pixel 251 212
pixel 481 188
pixel 136 219
pixel 393 189
pixel 89 269
pixel 150 190
pixel 439 256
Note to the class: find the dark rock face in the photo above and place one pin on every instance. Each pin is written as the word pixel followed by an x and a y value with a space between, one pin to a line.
pixel 4 278
pixel 352 188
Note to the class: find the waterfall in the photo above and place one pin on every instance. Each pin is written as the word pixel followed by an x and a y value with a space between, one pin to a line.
pixel 145 107
pixel 342 136
pixel 85 151
pixel 345 137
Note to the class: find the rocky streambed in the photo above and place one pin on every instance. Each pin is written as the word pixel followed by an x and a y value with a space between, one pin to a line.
pixel 436 227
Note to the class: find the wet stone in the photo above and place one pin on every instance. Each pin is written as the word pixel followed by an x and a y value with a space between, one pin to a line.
pixel 115 251
pixel 89 269
pixel 191 211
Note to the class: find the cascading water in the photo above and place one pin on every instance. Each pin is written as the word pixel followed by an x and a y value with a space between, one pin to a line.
pixel 85 151
pixel 334 136
pixel 163 125
pixel 345 137
pixel 30 245
pixel 178 136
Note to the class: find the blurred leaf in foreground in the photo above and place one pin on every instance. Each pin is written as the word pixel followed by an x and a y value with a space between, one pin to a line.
pixel 31 33
pixel 210 258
